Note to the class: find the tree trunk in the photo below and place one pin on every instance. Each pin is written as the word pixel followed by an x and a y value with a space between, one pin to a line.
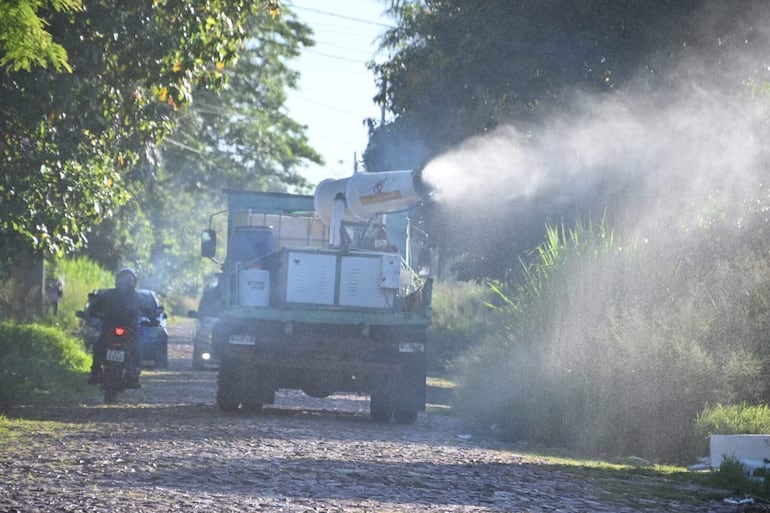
pixel 25 294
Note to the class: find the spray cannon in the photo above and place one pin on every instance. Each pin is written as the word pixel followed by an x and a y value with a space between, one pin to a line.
pixel 362 196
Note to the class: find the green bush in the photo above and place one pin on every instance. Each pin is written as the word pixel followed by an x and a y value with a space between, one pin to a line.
pixel 614 350
pixel 734 476
pixel 38 361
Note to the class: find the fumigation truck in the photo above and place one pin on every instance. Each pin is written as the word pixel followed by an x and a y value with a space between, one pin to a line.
pixel 325 293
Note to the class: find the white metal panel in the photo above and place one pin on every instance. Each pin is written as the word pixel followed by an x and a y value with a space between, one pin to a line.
pixel 310 278
pixel 254 287
pixel 391 271
pixel 360 279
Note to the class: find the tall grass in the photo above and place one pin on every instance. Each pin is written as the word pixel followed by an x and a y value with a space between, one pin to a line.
pixel 460 312
pixel 615 349
pixel 21 303
pixel 733 419
pixel 80 276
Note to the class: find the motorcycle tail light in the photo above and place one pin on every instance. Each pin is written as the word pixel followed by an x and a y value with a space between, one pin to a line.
pixel 120 331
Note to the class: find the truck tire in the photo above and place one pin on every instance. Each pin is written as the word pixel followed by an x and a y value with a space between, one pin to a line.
pixel 251 405
pixel 405 417
pixel 318 393
pixel 258 388
pixel 227 390
pixel 380 416
pixel 377 410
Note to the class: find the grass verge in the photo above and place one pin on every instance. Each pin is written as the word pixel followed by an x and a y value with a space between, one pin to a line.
pixel 40 364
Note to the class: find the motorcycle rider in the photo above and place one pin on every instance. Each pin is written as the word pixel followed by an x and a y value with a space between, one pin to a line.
pixel 120 306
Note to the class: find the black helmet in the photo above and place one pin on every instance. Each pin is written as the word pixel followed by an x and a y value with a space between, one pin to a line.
pixel 126 279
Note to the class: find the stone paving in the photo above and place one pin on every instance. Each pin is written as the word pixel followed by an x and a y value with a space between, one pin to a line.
pixel 166 448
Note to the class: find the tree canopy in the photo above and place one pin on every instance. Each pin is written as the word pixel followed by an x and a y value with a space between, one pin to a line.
pixel 236 137
pixel 24 41
pixel 456 70
pixel 74 146
pixel 241 136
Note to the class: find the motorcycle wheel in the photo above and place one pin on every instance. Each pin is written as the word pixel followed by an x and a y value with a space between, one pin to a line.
pixel 111 382
pixel 110 396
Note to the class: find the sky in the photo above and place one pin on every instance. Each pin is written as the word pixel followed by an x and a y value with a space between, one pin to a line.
pixel 335 87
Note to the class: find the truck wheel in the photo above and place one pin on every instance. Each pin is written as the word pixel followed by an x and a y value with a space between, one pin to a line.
pixel 405 417
pixel 251 406
pixel 380 416
pixel 377 410
pixel 227 391
pixel 318 393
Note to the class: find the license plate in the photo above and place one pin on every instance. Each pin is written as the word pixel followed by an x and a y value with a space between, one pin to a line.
pixel 243 340
pixel 411 347
pixel 116 356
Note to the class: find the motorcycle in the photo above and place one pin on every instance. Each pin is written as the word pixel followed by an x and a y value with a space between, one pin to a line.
pixel 121 350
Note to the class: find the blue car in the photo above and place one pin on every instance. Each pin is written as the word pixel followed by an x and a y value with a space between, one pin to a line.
pixel 153 334
pixel 153 340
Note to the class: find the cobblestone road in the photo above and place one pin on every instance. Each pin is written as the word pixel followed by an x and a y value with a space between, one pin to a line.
pixel 166 448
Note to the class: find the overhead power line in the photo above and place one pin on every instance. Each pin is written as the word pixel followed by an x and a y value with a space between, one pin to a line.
pixel 338 57
pixel 348 49
pixel 340 16
pixel 327 106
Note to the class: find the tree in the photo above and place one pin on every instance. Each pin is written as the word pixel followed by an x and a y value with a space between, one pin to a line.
pixel 241 135
pixel 24 42
pixel 238 136
pixel 75 146
pixel 458 69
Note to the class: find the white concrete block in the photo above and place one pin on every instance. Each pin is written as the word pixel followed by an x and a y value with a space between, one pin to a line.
pixel 740 447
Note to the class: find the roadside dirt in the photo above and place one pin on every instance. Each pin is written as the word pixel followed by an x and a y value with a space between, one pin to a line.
pixel 166 448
